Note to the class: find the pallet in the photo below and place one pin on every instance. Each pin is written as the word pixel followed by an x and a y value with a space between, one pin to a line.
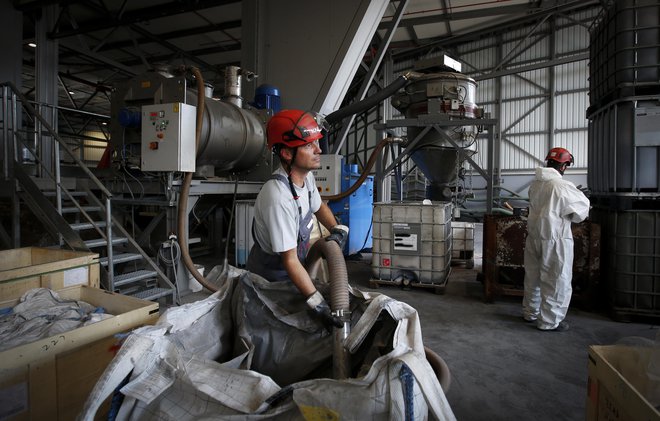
pixel 437 288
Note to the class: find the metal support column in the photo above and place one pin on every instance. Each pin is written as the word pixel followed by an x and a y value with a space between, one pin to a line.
pixel 375 64
pixel 551 87
pixel 46 83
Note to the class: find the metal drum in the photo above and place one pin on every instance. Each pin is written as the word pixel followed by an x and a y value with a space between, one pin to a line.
pixel 232 139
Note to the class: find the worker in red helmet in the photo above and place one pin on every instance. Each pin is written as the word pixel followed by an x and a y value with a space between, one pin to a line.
pixel 554 203
pixel 284 207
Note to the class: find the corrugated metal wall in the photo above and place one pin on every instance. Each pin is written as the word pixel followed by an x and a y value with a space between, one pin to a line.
pixel 525 99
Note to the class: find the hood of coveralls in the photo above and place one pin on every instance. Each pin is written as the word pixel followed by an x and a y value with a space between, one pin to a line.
pixel 546 173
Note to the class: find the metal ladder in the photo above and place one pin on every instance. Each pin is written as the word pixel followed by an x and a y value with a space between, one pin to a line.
pixel 73 213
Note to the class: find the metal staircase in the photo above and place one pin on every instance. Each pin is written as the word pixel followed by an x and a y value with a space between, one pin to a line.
pixel 77 212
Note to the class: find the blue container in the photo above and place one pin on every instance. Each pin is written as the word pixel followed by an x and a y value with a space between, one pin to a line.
pixel 356 210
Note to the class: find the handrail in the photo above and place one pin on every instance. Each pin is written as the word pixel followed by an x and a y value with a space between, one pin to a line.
pixel 26 104
pixel 66 191
pixel 31 111
pixel 60 107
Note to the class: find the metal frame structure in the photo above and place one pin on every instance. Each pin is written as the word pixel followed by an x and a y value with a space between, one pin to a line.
pixel 534 29
pixel 436 122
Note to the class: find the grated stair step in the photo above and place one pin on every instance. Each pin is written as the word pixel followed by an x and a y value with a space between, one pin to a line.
pixel 130 277
pixel 87 225
pixel 152 294
pixel 99 242
pixel 120 258
pixel 74 209
pixel 51 193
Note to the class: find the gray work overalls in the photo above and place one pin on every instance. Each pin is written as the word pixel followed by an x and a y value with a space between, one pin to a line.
pixel 270 266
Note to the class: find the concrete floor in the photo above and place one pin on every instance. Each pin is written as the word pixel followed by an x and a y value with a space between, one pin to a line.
pixel 501 367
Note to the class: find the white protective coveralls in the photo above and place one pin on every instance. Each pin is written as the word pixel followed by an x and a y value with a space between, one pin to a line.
pixel 554 203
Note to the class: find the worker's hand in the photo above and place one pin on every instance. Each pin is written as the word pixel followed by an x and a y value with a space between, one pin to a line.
pixel 338 233
pixel 319 306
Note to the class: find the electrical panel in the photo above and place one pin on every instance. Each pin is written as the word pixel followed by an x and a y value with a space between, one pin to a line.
pixel 328 177
pixel 168 137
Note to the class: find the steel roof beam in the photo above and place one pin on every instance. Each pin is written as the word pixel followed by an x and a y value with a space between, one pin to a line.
pixel 471 14
pixel 140 15
pixel 199 52
pixel 542 65
pixel 176 34
pixel 498 27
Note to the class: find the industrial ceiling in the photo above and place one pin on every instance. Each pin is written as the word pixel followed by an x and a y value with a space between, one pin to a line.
pixel 103 41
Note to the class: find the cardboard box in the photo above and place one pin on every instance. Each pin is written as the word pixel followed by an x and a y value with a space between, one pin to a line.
pixel 50 378
pixel 616 385
pixel 32 267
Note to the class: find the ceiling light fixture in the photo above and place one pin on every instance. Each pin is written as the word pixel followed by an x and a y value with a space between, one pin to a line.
pixel 32 44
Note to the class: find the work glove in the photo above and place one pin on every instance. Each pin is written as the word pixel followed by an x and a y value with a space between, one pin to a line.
pixel 338 233
pixel 320 307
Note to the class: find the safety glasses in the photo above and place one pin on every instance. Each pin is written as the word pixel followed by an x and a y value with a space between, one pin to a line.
pixel 307 124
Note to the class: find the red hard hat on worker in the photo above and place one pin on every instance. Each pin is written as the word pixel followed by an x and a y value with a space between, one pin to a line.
pixel 560 155
pixel 293 128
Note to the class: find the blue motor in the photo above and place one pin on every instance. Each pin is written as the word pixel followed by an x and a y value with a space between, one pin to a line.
pixel 267 97
pixel 130 118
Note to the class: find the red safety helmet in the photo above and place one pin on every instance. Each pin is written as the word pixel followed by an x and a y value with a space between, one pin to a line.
pixel 560 155
pixel 293 128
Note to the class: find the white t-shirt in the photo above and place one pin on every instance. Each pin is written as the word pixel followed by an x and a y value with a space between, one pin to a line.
pixel 276 216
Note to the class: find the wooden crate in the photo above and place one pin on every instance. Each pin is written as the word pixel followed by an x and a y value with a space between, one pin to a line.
pixel 51 377
pixel 616 384
pixel 32 267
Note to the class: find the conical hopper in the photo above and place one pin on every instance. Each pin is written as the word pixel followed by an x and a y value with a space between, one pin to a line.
pixel 438 159
pixel 451 95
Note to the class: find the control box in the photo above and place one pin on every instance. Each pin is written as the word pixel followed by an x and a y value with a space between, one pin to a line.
pixel 168 137
pixel 328 177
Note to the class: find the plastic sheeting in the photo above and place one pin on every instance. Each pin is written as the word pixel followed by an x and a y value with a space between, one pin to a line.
pixel 41 313
pixel 252 351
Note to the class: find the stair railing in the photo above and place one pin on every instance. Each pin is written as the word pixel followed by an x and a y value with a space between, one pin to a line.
pixel 10 125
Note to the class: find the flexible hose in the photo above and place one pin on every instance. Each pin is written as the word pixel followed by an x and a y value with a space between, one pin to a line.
pixel 182 214
pixel 371 101
pixel 364 175
pixel 439 367
pixel 339 299
pixel 339 303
